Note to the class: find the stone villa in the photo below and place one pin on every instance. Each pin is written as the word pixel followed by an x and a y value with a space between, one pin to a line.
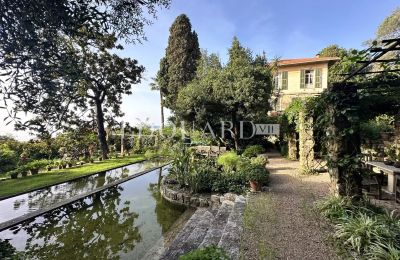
pixel 300 78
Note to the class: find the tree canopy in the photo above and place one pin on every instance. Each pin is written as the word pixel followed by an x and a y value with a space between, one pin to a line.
pixel 181 56
pixel 39 53
pixel 239 90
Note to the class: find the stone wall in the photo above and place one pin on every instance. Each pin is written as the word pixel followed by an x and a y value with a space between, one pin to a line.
pixel 193 200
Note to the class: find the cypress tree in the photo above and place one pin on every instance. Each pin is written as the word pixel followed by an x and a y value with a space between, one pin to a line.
pixel 180 62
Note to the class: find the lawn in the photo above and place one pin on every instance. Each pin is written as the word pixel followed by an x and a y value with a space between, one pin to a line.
pixel 15 186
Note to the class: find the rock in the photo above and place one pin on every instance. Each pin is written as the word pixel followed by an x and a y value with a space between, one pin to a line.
pixel 203 202
pixel 174 195
pixel 186 199
pixel 194 201
pixel 230 196
pixel 181 197
pixel 215 200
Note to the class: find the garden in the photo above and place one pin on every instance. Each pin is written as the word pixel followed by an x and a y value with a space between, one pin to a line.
pixel 326 186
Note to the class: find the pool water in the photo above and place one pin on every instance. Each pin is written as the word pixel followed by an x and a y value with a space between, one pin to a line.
pixel 29 202
pixel 122 222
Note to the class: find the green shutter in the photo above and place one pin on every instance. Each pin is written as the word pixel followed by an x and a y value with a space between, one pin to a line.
pixel 302 78
pixel 285 80
pixel 318 78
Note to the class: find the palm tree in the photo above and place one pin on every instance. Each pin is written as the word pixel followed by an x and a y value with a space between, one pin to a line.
pixel 155 86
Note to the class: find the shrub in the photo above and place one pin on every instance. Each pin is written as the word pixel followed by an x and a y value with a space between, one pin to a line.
pixel 181 165
pixel 36 165
pixel 385 122
pixel 257 173
pixel 253 151
pixel 362 228
pixel 8 159
pixel 259 160
pixel 202 175
pixel 206 253
pixel 335 208
pixel 231 182
pixel 228 160
pixel 13 174
pixel 370 130
pixel 150 154
pixel 380 251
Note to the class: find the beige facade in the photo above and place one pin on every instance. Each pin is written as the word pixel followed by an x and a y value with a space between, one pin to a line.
pixel 299 78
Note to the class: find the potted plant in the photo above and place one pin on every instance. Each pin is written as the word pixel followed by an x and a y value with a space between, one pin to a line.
pixel 257 176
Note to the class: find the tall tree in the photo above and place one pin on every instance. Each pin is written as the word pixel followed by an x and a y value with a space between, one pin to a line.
pixel 390 27
pixel 106 77
pixel 196 102
pixel 181 58
pixel 37 66
pixel 240 90
pixel 245 86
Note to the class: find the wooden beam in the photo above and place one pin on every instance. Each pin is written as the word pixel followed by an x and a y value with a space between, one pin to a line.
pixel 388 60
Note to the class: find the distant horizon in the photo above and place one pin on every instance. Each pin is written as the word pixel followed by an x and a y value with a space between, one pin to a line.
pixel 282 29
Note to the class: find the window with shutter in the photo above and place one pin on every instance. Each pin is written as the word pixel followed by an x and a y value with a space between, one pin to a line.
pixel 318 78
pixel 302 79
pixel 285 80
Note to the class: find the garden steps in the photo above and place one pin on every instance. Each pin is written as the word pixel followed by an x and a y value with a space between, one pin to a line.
pixel 177 246
pixel 230 240
pixel 208 226
pixel 217 227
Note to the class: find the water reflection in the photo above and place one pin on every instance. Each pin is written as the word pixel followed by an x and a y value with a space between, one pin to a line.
pixel 98 227
pixel 120 222
pixel 32 201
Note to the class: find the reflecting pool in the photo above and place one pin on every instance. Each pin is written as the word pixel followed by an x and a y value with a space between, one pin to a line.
pixel 123 222
pixel 20 205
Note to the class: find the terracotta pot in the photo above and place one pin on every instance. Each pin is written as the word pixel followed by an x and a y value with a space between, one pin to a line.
pixel 254 186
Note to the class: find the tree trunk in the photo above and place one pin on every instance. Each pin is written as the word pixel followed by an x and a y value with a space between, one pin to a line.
pixel 101 133
pixel 234 130
pixel 162 110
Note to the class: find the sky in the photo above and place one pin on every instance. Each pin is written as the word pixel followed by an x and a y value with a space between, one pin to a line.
pixel 283 29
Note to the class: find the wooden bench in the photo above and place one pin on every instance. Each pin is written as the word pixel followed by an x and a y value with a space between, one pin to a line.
pixel 391 171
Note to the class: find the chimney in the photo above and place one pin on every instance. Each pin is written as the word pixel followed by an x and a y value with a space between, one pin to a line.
pixel 317 55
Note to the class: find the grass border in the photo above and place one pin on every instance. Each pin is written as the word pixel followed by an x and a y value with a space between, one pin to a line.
pixel 68 180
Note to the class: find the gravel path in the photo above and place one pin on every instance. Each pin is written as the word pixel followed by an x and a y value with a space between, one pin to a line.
pixel 281 223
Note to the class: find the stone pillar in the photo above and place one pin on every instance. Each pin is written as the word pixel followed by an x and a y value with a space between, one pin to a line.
pixel 306 142
pixel 344 141
pixel 292 147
